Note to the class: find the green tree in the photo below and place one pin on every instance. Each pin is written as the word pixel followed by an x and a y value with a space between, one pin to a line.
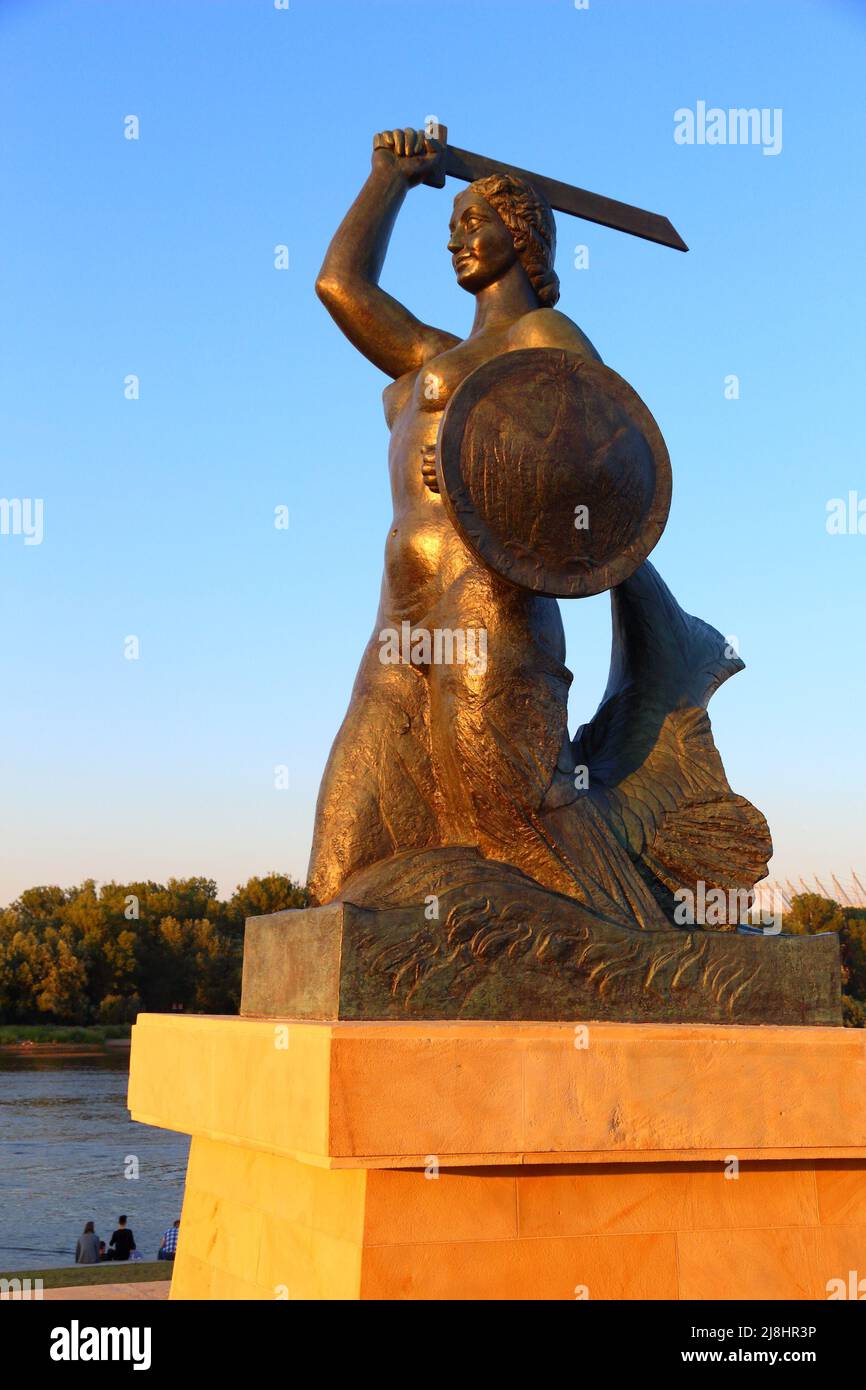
pixel 61 988
pixel 811 913
pixel 259 895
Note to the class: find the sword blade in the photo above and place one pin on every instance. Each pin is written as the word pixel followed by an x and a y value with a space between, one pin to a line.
pixel 579 202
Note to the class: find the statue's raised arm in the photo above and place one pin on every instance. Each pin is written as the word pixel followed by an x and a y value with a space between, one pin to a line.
pixel 348 283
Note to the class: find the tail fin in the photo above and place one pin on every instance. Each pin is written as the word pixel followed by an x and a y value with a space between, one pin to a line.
pixel 654 770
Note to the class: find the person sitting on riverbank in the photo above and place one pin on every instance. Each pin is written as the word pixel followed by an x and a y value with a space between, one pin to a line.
pixel 103 1253
pixel 122 1242
pixel 87 1246
pixel 168 1244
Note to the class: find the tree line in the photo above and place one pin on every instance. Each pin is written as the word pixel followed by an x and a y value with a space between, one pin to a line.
pixel 101 955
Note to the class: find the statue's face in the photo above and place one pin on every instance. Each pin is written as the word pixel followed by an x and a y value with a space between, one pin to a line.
pixel 480 243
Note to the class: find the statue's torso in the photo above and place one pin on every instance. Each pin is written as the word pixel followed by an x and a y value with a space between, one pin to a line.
pixel 424 554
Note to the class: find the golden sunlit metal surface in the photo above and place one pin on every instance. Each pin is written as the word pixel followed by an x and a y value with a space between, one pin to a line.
pixel 466 743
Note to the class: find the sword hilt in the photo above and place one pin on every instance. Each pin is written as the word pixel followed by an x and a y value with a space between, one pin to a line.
pixel 437 132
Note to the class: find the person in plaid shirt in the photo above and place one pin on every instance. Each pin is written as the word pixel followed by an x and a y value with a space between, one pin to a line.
pixel 168 1244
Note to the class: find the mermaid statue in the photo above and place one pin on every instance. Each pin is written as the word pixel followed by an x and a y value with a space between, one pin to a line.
pixel 449 772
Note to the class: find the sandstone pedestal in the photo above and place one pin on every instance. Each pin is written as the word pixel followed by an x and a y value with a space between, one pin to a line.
pixel 591 1160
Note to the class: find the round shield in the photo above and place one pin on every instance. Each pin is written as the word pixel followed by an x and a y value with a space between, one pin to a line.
pixel 553 471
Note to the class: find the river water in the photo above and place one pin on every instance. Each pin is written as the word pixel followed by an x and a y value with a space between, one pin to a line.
pixel 66 1145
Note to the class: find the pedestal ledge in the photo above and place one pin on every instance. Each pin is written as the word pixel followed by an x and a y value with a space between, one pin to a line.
pixel 390 1094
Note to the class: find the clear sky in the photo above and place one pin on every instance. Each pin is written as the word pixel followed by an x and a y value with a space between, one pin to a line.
pixel 155 257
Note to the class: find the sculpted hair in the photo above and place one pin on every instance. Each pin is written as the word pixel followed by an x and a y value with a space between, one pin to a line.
pixel 528 217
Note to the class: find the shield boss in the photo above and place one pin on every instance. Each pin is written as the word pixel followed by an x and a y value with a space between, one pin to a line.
pixel 553 471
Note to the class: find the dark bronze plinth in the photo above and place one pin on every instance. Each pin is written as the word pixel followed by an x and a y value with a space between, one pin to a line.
pixel 508 950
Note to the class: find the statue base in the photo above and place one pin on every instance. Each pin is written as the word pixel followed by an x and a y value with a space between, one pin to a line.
pixel 474 1161
pixel 527 953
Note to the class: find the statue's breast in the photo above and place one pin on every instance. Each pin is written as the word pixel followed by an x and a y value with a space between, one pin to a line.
pixel 439 378
pixel 430 389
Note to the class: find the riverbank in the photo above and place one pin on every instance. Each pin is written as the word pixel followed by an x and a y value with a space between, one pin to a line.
pixel 111 1272
pixel 56 1040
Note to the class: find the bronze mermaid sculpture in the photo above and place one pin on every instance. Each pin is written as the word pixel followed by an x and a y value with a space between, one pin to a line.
pixel 445 769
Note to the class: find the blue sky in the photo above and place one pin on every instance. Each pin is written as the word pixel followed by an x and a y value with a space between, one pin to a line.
pixel 156 257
